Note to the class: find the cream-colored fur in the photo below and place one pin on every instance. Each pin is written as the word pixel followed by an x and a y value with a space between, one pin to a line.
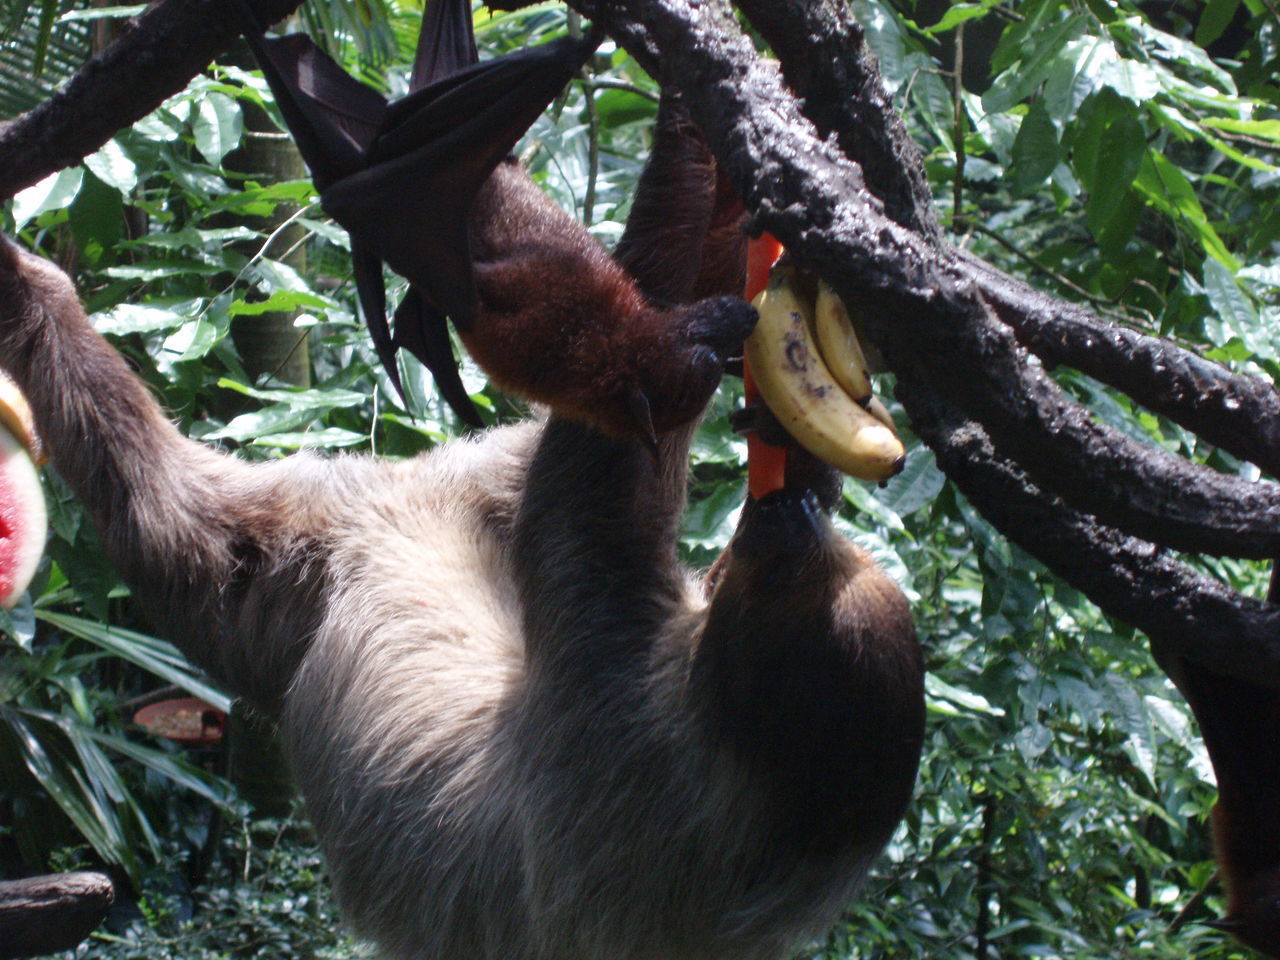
pixel 521 730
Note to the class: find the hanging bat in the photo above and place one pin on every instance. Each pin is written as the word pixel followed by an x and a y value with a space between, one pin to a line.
pixel 427 186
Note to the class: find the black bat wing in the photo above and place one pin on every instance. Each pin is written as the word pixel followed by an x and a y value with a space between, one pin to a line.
pixel 438 146
pixel 332 116
pixel 421 329
pixel 446 43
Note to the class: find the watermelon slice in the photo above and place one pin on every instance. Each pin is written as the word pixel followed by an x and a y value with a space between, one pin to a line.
pixel 22 512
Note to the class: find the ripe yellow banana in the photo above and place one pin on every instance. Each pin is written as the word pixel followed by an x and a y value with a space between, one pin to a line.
pixel 799 388
pixel 839 344
pixel 842 349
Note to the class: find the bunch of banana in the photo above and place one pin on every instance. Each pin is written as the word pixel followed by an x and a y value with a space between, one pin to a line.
pixel 810 370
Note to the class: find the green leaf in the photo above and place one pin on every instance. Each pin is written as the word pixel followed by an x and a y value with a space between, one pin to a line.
pixel 193 340
pixel 916 486
pixel 129 318
pixel 1236 310
pixel 619 107
pixel 709 521
pixel 280 301
pixel 1107 152
pixel 1167 188
pixel 1035 149
pixel 150 653
pixel 87 569
pixel 323 438
pixel 20 623
pixel 1262 129
pixel 312 398
pixel 281 418
pixel 113 167
pixel 54 192
pixel 1214 20
pixel 217 124
pixel 97 220
pixel 171 767
pixel 941 692
pixel 1036 58
pixel 957 14
pixel 159 269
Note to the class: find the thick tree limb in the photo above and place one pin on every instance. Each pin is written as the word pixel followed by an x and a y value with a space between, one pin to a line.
pixel 845 95
pixel 168 45
pixel 42 915
pixel 1239 413
pixel 1128 578
pixel 814 199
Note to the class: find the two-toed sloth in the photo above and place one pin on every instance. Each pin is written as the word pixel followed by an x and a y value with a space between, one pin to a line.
pixel 521 728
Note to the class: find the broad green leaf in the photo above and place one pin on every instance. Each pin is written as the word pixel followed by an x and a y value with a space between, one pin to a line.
pixel 113 167
pixel 161 126
pixel 19 624
pixel 217 124
pixel 323 438
pixel 1037 58
pixel 126 318
pixel 54 192
pixel 97 822
pixel 1168 188
pixel 957 14
pixel 1234 308
pixel 1107 154
pixel 280 301
pixel 1263 129
pixel 281 418
pixel 1214 20
pixel 916 486
pixel 1035 149
pixel 312 398
pixel 192 340
pixel 708 523
pixel 159 269
pixel 966 700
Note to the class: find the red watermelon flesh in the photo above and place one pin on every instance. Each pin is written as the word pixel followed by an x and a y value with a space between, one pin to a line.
pixel 22 519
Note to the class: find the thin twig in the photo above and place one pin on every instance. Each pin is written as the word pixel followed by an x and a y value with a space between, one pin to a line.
pixel 958 135
pixel 1041 268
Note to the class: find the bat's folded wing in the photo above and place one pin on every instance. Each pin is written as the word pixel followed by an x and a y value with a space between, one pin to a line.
pixel 438 146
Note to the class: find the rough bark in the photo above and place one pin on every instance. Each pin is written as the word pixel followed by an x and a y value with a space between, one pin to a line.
pixel 42 915
pixel 166 47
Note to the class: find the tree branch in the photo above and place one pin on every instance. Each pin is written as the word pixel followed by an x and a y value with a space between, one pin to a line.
pixel 933 323
pixel 827 63
pixel 43 915
pixel 166 47
pixel 1183 612
pixel 846 95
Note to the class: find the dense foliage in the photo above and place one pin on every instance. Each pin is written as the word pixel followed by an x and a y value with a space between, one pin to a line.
pixel 1119 153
